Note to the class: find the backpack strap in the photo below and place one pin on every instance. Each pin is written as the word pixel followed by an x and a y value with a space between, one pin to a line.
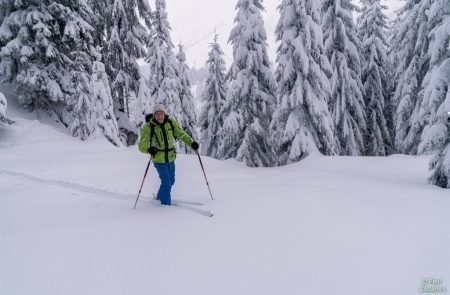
pixel 173 129
pixel 152 132
pixel 148 118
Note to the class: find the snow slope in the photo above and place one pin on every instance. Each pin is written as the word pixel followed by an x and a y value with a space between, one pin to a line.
pixel 326 225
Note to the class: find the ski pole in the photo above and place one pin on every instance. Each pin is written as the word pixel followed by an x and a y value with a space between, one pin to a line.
pixel 142 184
pixel 204 174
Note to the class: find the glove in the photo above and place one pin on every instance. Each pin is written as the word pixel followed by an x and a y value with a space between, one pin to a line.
pixel 194 145
pixel 152 150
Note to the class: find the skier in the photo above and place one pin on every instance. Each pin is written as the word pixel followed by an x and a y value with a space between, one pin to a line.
pixel 158 139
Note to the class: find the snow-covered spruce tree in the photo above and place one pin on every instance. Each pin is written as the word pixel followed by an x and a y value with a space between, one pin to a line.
pixel 90 102
pixel 93 111
pixel 342 46
pixel 89 107
pixel 302 123
pixel 125 42
pixel 188 118
pixel 83 112
pixel 392 61
pixel 251 97
pixel 373 31
pixel 436 100
pixel 440 163
pixel 213 98
pixel 103 101
pixel 6 7
pixel 410 41
pixel 440 166
pixel 48 51
pixel 436 84
pixel 3 107
pixel 36 40
pixel 163 81
pixel 144 103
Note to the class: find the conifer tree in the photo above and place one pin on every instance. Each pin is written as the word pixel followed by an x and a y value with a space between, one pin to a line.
pixel 436 102
pixel 213 97
pixel 342 46
pixel 125 43
pixel 372 29
pixel 251 97
pixel 49 52
pixel 188 118
pixel 39 41
pixel 410 43
pixel 3 106
pixel 163 81
pixel 103 101
pixel 436 84
pixel 168 82
pixel 83 112
pixel 302 123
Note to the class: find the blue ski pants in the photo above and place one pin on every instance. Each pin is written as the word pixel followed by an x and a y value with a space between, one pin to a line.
pixel 166 173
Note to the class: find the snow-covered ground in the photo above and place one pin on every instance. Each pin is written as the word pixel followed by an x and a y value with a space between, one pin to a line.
pixel 326 225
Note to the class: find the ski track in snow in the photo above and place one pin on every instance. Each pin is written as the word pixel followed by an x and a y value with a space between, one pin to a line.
pixel 186 205
pixel 69 185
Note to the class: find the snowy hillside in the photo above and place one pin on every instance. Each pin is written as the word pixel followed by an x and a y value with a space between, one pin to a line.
pixel 326 225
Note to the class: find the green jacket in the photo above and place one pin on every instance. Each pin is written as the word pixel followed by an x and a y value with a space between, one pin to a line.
pixel 163 139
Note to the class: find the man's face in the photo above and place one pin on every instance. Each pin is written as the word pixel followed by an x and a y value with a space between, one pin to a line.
pixel 159 117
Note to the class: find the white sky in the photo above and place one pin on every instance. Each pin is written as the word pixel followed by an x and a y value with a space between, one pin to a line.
pixel 193 24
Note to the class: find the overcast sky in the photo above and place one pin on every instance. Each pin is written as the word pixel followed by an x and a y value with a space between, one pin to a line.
pixel 195 21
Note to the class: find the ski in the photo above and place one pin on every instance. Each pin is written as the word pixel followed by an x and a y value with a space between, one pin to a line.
pixel 189 202
pixel 183 201
pixel 187 206
pixel 206 213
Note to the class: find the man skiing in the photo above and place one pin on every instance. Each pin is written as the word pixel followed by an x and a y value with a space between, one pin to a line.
pixel 158 139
